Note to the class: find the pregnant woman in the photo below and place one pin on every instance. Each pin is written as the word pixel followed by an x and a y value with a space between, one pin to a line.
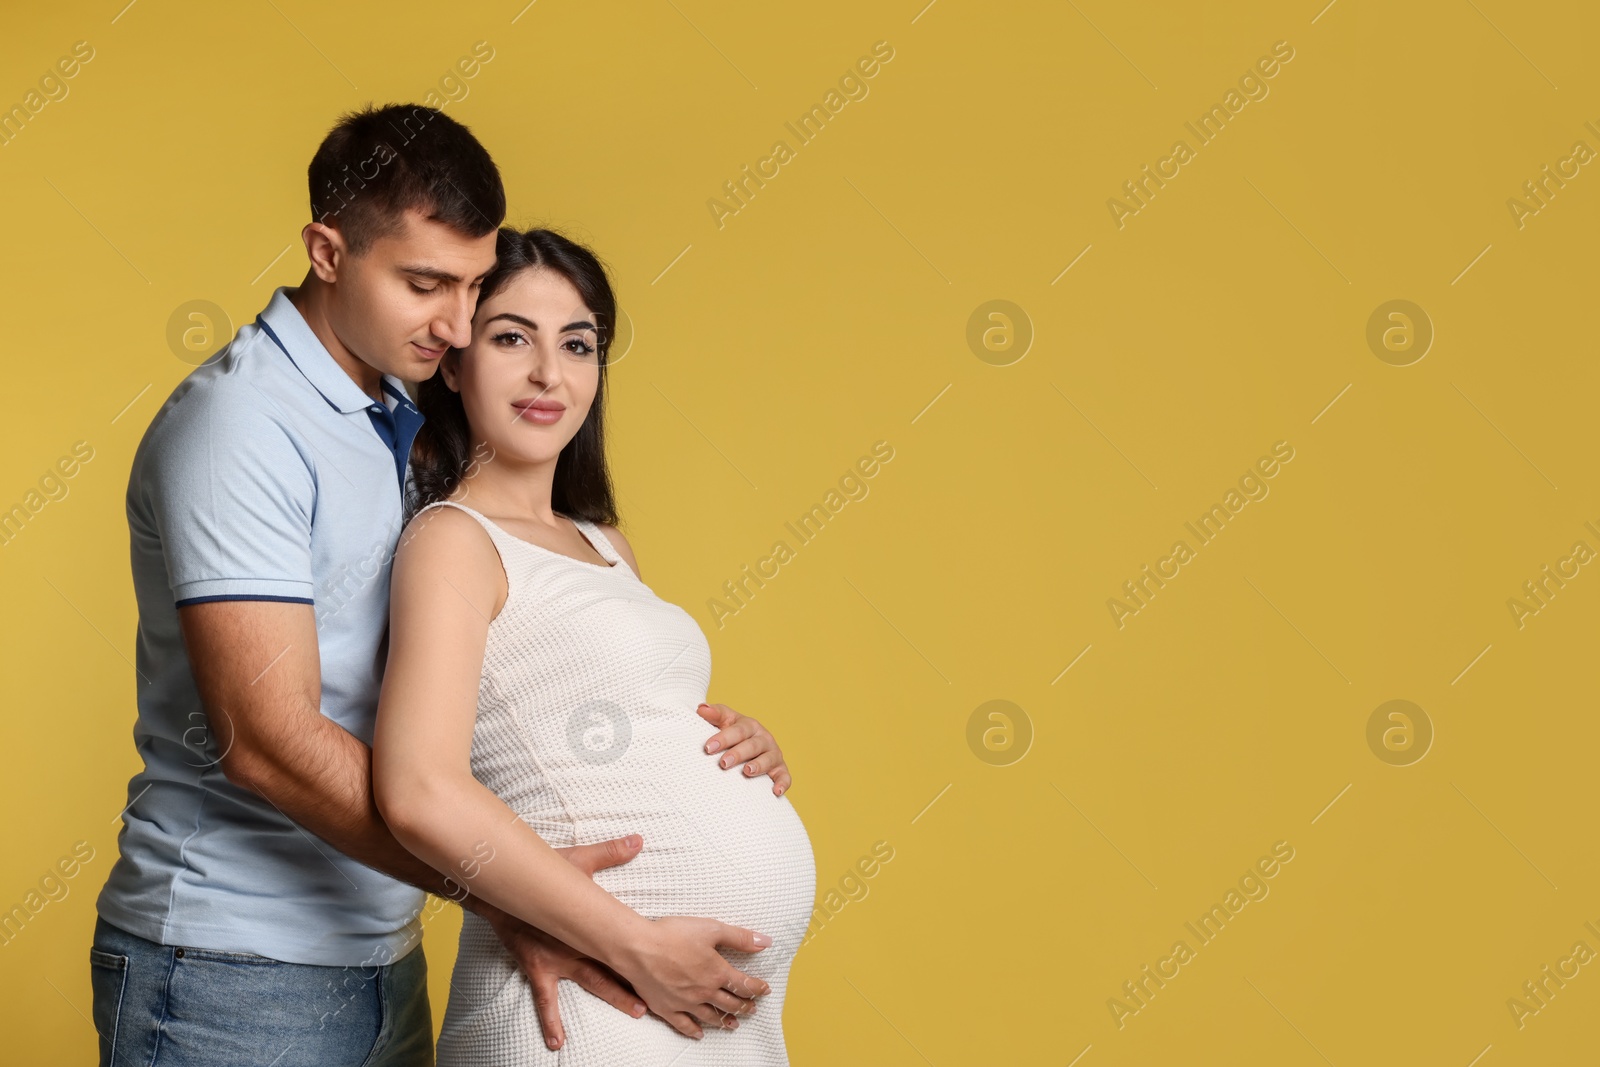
pixel 538 695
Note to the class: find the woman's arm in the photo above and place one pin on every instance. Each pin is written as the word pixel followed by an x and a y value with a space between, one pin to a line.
pixel 447 583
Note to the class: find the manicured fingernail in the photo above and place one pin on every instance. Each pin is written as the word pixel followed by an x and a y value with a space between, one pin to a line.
pixel 639 1009
pixel 724 764
pixel 713 745
pixel 632 841
pixel 749 768
pixel 763 940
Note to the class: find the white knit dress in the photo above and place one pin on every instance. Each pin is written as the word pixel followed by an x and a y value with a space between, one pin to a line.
pixel 587 728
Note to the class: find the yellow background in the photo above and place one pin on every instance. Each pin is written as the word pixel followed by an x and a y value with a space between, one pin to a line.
pixel 830 313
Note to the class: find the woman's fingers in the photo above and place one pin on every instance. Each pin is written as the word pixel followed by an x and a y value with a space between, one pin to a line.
pixel 718 714
pixel 684 1024
pixel 706 1015
pixel 743 751
pixel 746 741
pixel 732 734
pixel 770 763
pixel 727 1003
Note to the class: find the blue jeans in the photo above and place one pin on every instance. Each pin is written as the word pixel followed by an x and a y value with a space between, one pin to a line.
pixel 176 1006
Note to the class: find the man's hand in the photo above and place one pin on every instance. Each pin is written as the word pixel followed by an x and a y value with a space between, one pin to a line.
pixel 743 739
pixel 544 960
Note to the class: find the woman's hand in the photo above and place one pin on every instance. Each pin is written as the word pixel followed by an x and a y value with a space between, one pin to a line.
pixel 743 739
pixel 674 966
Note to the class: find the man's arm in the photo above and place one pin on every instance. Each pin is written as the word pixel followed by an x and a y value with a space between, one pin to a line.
pixel 257 668
pixel 259 675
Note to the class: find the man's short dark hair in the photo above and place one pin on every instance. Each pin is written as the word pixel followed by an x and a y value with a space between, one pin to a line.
pixel 378 162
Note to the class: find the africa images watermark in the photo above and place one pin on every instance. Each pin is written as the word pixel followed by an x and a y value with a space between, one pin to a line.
pixel 351 580
pixel 1252 86
pixel 454 87
pixel 359 976
pixel 1537 993
pixel 53 89
pixel 1252 486
pixel 852 486
pixel 852 886
pixel 1252 886
pixel 1538 592
pixel 852 86
pixel 1541 190
pixel 53 886
pixel 52 487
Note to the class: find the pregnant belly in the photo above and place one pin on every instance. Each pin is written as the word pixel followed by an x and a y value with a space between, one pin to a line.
pixel 717 844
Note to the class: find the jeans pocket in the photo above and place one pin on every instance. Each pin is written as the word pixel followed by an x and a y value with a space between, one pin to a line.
pixel 219 956
pixel 225 1007
pixel 108 978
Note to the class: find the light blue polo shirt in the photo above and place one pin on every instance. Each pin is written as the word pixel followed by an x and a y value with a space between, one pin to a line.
pixel 268 474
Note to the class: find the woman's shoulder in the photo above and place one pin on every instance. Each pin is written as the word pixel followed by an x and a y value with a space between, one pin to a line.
pixel 619 543
pixel 442 524
pixel 449 542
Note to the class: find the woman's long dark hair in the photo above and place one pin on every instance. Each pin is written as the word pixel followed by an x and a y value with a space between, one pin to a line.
pixel 441 454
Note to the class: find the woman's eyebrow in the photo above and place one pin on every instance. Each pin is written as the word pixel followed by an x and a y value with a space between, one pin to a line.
pixel 581 324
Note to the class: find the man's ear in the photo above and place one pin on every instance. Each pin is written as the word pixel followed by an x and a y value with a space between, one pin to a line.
pixel 325 248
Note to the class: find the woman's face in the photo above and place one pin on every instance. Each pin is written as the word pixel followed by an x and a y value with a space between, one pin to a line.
pixel 529 376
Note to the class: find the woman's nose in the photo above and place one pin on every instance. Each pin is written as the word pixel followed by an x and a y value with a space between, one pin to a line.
pixel 545 367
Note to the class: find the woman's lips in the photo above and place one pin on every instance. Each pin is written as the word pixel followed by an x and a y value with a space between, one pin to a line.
pixel 542 416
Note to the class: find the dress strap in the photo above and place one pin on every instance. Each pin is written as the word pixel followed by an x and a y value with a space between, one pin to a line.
pixel 597 538
pixel 490 528
pixel 452 504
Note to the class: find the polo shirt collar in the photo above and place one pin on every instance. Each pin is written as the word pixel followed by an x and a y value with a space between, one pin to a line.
pixel 307 352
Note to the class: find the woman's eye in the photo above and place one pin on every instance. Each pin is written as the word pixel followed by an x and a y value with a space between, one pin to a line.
pixel 578 346
pixel 509 337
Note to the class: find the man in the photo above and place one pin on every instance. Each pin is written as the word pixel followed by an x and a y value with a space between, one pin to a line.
pixel 260 911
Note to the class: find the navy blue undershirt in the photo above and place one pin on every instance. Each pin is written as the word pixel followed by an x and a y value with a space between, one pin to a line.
pixel 396 428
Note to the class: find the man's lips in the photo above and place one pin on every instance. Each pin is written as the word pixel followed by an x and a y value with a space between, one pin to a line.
pixel 431 353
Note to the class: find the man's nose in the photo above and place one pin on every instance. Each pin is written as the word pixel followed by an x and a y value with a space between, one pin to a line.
pixel 454 327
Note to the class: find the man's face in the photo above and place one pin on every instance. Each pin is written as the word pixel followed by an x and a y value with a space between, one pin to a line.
pixel 406 299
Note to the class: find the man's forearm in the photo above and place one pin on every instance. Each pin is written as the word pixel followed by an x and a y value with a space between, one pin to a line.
pixel 323 782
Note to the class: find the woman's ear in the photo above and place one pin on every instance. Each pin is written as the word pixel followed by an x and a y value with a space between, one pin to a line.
pixel 450 369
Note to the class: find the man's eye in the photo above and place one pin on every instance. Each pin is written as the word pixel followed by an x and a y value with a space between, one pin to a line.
pixel 418 289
